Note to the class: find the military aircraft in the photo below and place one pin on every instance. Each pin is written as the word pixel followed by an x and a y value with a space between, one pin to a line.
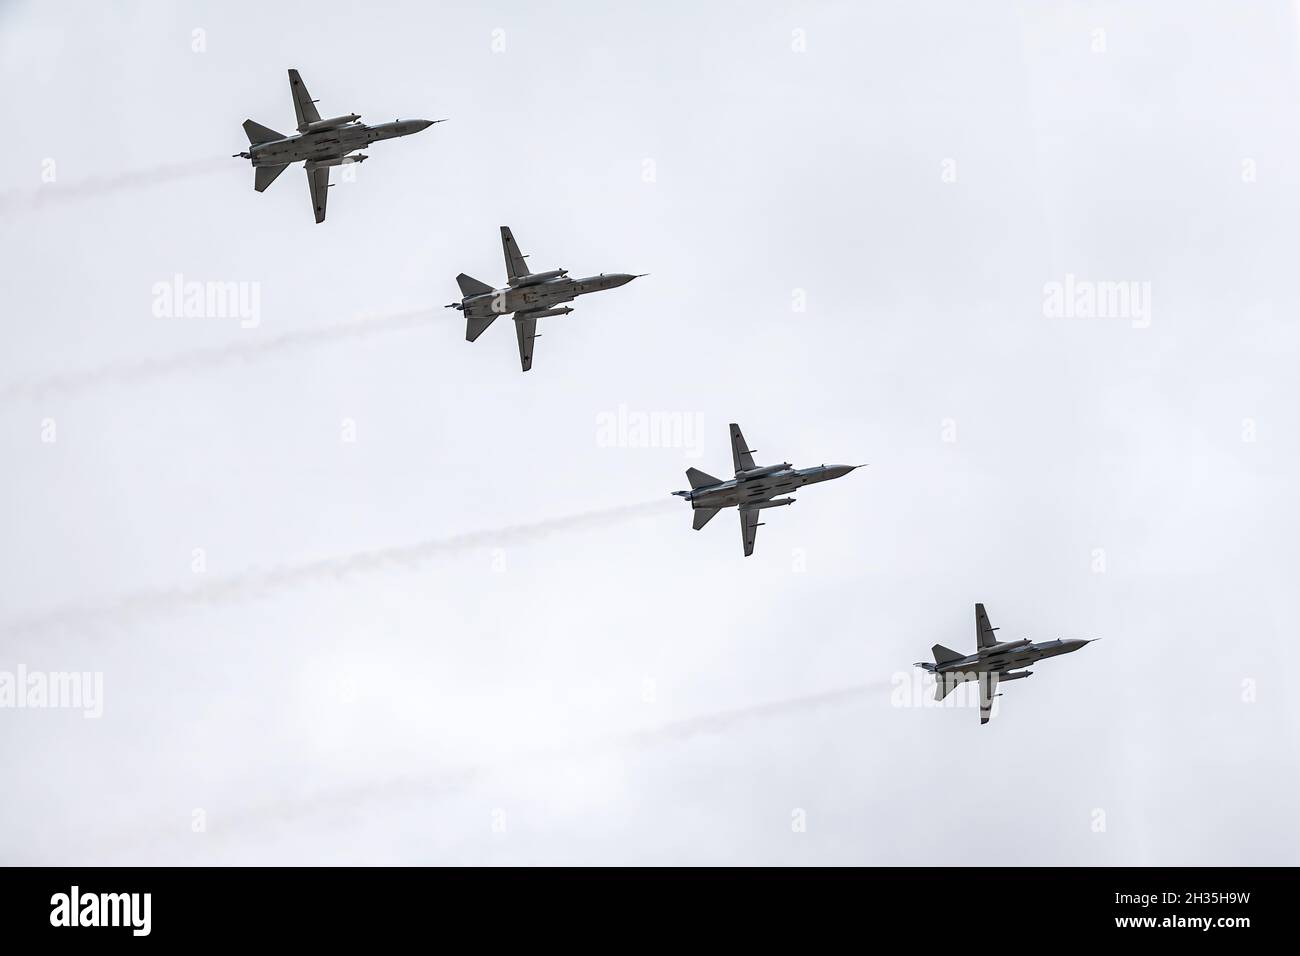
pixel 991 662
pixel 754 488
pixel 322 143
pixel 529 295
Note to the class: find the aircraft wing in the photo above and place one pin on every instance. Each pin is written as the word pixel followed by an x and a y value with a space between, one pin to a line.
pixel 740 453
pixel 303 105
pixel 748 528
pixel 988 681
pixel 515 265
pixel 526 329
pixel 984 636
pixel 319 182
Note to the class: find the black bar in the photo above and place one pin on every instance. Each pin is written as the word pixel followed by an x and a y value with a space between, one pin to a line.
pixel 332 906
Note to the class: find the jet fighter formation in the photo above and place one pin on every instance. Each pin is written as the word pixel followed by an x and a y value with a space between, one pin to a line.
pixel 529 296
pixel 319 143
pixel 992 661
pixel 754 488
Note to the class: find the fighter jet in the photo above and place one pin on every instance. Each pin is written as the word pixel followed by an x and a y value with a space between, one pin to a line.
pixel 529 295
pixel 754 488
pixel 991 662
pixel 322 143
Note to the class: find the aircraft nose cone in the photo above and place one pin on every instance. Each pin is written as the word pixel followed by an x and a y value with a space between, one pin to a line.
pixel 839 471
pixel 620 278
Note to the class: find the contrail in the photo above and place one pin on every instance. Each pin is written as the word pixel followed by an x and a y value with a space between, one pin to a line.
pixel 443 782
pixel 724 720
pixel 131 371
pixel 261 583
pixel 676 731
pixel 56 192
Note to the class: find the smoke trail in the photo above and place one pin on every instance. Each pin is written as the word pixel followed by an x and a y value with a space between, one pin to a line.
pixel 722 721
pixel 676 731
pixel 131 371
pixel 54 193
pixel 255 584
pixel 443 782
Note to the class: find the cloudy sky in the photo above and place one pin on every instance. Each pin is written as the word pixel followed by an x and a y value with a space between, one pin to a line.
pixel 360 592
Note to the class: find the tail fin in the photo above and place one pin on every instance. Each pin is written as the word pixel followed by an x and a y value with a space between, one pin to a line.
pixel 257 133
pixel 699 479
pixel 471 286
pixel 701 517
pixel 945 655
pixel 475 327
pixel 263 176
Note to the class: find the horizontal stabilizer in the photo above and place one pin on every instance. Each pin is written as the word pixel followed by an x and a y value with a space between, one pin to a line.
pixel 475 327
pixel 944 685
pixel 257 133
pixel 702 516
pixel 945 655
pixel 699 479
pixel 263 176
pixel 471 286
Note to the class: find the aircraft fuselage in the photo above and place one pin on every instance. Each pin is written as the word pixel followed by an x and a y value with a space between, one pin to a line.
pixel 1007 659
pixel 759 488
pixel 330 143
pixel 539 295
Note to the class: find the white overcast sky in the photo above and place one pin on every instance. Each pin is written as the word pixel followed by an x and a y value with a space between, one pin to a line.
pixel 497 701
